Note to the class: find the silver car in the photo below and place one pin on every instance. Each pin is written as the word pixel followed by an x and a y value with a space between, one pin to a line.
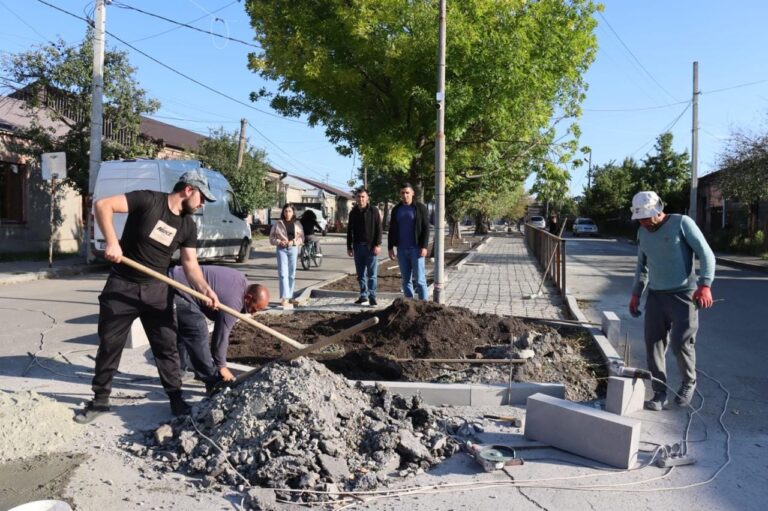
pixel 538 221
pixel 584 227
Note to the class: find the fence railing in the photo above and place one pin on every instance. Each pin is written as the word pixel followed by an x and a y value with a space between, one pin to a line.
pixel 549 250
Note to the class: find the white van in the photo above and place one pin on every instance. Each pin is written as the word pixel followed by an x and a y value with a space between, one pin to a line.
pixel 221 228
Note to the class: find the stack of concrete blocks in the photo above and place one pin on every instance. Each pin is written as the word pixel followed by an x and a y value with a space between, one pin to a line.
pixel 583 430
pixel 625 395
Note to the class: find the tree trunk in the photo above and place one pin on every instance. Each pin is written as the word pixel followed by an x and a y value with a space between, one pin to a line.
pixel 481 227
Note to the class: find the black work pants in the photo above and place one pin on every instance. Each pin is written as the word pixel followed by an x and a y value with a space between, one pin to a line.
pixel 193 340
pixel 120 303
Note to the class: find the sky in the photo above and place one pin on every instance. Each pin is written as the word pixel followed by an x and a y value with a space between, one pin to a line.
pixel 640 84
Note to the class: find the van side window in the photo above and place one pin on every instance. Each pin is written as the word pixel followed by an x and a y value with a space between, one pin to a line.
pixel 232 204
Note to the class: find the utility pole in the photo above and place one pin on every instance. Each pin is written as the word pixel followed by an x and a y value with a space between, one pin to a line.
pixel 440 164
pixel 365 176
pixel 695 144
pixel 589 171
pixel 241 144
pixel 97 121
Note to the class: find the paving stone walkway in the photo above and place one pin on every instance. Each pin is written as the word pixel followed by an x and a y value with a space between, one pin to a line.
pixel 495 279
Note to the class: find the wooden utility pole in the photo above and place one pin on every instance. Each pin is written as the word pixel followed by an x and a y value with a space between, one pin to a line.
pixel 440 164
pixel 97 121
pixel 241 144
pixel 695 144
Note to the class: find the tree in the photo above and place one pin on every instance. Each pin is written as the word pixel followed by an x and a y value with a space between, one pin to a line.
pixel 57 76
pixel 611 194
pixel 744 172
pixel 667 173
pixel 366 69
pixel 219 152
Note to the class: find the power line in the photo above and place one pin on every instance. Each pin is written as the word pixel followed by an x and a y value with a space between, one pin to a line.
pixel 32 28
pixel 188 22
pixel 193 80
pixel 635 58
pixel 639 109
pixel 666 129
pixel 185 25
pixel 747 84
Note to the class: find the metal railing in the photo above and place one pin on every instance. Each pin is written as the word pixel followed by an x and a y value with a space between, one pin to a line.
pixel 549 251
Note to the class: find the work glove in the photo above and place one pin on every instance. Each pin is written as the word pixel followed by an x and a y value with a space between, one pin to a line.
pixel 703 297
pixel 634 306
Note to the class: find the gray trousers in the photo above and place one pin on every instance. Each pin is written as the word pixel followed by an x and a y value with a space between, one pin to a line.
pixel 671 319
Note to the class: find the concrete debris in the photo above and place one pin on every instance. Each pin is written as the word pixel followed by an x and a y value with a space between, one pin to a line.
pixel 297 425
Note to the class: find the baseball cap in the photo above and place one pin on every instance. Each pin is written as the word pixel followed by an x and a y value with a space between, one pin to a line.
pixel 196 179
pixel 646 205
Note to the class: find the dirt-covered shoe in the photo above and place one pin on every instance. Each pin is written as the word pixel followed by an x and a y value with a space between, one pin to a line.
pixel 361 300
pixel 685 393
pixel 658 402
pixel 90 412
pixel 372 301
pixel 180 407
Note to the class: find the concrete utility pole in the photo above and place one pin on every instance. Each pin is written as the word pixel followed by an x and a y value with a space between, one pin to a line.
pixel 241 144
pixel 97 121
pixel 440 164
pixel 589 171
pixel 365 176
pixel 695 143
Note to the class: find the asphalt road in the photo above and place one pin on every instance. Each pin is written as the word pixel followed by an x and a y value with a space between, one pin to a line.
pixel 731 346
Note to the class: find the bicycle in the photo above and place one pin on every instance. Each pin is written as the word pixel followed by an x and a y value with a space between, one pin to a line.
pixel 311 254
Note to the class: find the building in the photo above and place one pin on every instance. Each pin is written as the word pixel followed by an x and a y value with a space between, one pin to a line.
pixel 335 203
pixel 25 199
pixel 715 212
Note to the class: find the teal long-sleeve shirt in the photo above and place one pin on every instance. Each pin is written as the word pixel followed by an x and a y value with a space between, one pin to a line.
pixel 665 257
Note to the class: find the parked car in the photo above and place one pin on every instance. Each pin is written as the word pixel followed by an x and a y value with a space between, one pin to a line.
pixel 584 227
pixel 538 221
pixel 221 228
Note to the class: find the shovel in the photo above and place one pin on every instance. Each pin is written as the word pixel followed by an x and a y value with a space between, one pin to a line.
pixel 302 349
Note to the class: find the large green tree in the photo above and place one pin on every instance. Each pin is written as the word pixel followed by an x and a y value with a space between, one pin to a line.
pixel 219 152
pixel 56 80
pixel 744 172
pixel 666 172
pixel 366 70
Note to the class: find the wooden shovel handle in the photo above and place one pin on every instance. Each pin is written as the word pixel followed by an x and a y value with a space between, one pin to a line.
pixel 229 310
pixel 335 338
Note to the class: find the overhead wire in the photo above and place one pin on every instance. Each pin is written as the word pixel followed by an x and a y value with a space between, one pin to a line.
pixel 185 25
pixel 653 78
pixel 176 71
pixel 207 14
pixel 666 129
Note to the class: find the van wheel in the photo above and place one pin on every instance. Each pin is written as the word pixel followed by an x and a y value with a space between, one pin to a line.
pixel 245 251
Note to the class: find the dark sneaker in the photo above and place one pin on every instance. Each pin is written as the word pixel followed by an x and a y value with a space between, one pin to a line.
pixel 658 402
pixel 90 412
pixel 372 301
pixel 361 300
pixel 685 394
pixel 180 407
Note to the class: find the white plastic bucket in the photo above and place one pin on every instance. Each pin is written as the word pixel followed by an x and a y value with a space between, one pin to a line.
pixel 43 505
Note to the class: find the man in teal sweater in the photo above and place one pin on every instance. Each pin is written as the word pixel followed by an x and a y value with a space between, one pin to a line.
pixel 666 245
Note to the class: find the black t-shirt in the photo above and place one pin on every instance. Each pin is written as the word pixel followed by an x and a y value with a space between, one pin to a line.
pixel 152 234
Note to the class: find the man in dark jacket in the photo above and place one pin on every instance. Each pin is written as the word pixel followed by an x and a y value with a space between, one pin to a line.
pixel 409 232
pixel 364 243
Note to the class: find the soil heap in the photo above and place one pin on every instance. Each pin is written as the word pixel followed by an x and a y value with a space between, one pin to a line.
pixel 298 425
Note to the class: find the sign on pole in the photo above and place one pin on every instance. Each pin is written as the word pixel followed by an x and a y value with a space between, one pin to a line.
pixel 54 166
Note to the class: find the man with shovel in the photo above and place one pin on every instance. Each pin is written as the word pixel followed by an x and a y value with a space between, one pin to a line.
pixel 209 360
pixel 666 245
pixel 157 224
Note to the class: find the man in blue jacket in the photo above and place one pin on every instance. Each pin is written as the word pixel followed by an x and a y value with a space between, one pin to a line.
pixel 409 232
pixel 666 245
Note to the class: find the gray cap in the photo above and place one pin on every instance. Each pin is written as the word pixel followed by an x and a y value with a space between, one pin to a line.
pixel 196 179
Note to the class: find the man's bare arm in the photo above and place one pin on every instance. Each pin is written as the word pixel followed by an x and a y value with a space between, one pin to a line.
pixel 104 210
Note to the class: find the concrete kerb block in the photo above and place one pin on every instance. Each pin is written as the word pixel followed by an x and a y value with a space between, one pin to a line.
pixel 610 355
pixel 611 326
pixel 624 395
pixel 582 430
pixel 137 337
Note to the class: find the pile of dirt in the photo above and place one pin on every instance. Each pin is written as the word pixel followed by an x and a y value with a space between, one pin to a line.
pixel 297 425
pixel 410 330
pixel 32 424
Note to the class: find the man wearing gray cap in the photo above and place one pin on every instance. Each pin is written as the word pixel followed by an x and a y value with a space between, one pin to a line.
pixel 157 224
pixel 666 245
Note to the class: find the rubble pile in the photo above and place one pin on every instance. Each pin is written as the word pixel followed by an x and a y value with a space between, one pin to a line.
pixel 298 425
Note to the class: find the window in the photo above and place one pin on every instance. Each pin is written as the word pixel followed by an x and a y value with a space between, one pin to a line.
pixel 12 181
